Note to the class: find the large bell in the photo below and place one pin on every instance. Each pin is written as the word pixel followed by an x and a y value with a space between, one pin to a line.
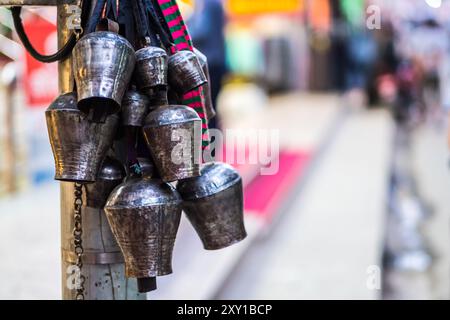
pixel 144 215
pixel 209 106
pixel 110 176
pixel 173 136
pixel 135 107
pixel 103 64
pixel 213 204
pixel 151 69
pixel 79 146
pixel 185 72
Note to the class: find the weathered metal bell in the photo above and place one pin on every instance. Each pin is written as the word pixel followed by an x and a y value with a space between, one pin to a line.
pixel 151 68
pixel 173 136
pixel 79 146
pixel 213 204
pixel 144 215
pixel 209 106
pixel 135 107
pixel 103 64
pixel 185 72
pixel 110 176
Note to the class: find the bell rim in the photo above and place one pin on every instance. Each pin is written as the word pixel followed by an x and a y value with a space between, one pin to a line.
pixel 180 177
pixel 241 238
pixel 224 187
pixel 67 178
pixel 85 104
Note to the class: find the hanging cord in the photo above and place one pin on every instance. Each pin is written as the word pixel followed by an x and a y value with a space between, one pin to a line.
pixel 126 21
pixel 149 28
pixel 159 17
pixel 96 16
pixel 156 25
pixel 111 10
pixel 61 54
pixel 141 26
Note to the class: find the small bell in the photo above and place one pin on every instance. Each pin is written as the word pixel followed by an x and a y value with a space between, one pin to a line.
pixel 151 69
pixel 110 176
pixel 213 204
pixel 209 106
pixel 135 107
pixel 78 146
pixel 103 64
pixel 144 215
pixel 185 72
pixel 173 136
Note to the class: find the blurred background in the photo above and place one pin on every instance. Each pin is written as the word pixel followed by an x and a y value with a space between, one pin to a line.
pixel 354 94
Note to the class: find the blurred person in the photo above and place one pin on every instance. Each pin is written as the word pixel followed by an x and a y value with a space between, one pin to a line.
pixel 360 51
pixel 206 27
pixel 423 42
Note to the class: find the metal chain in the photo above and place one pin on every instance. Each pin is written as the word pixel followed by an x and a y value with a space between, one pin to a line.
pixel 77 237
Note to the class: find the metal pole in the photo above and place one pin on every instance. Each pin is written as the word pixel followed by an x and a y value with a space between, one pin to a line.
pixel 103 281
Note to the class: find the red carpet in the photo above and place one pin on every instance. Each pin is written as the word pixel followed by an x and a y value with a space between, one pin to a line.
pixel 265 195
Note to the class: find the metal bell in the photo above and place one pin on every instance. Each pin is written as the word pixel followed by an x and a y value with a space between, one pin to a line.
pixel 173 136
pixel 135 107
pixel 103 64
pixel 213 204
pixel 110 176
pixel 185 72
pixel 209 106
pixel 144 215
pixel 79 146
pixel 151 68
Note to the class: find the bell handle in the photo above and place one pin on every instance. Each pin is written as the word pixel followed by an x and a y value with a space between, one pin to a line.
pixel 107 24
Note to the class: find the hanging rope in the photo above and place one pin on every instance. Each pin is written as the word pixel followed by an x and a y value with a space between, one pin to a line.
pixel 61 54
pixel 169 13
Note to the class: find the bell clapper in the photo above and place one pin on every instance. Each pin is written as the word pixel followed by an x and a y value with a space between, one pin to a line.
pixel 146 284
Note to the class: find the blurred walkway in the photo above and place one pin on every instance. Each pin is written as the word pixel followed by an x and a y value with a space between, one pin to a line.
pixel 431 165
pixel 30 256
pixel 333 232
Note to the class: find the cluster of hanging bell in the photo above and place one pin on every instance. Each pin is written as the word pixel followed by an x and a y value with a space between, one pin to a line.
pixel 120 87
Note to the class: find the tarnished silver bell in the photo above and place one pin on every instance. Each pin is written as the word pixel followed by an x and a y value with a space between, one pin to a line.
pixel 185 72
pixel 111 174
pixel 79 146
pixel 103 64
pixel 173 136
pixel 151 68
pixel 213 204
pixel 144 215
pixel 209 106
pixel 135 107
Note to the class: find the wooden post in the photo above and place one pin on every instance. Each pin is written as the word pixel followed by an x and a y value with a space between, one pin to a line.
pixel 103 281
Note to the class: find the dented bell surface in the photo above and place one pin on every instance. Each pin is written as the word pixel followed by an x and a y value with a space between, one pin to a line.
pixel 103 64
pixel 173 136
pixel 144 215
pixel 79 146
pixel 135 107
pixel 185 72
pixel 209 106
pixel 213 204
pixel 110 176
pixel 151 69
